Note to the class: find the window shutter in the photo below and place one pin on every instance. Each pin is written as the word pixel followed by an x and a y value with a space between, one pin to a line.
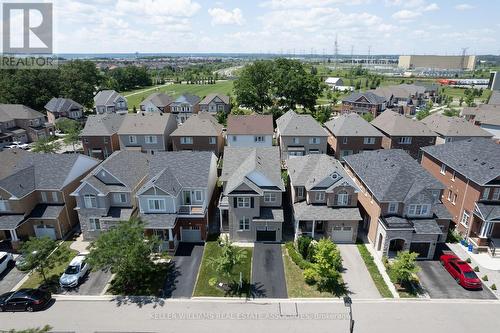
pixel 235 201
pixel 251 202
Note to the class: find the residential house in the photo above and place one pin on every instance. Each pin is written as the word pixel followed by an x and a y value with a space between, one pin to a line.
pixel 147 131
pixel 334 82
pixel 364 102
pixel 250 205
pixel 176 201
pixel 486 116
pixel 494 98
pixel 185 106
pixel 35 193
pixel 100 135
pixel 200 132
pixel 400 203
pixel 404 133
pixel 300 135
pixel 107 195
pixel 250 131
pixel 470 172
pixel 351 134
pixel 23 124
pixel 63 107
pixel 214 103
pixel 156 102
pixel 109 101
pixel 451 129
pixel 324 199
pixel 403 98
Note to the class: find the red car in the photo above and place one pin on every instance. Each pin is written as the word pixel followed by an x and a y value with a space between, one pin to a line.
pixel 461 271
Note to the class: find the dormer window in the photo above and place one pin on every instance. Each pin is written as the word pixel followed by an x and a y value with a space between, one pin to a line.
pixel 342 198
pixel 392 208
pixel 418 210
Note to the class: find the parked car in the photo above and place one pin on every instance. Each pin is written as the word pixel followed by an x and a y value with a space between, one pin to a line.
pixel 19 145
pixel 75 272
pixel 461 271
pixel 24 300
pixel 21 263
pixel 6 261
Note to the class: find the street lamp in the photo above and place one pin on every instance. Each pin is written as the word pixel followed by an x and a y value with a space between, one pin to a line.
pixel 348 304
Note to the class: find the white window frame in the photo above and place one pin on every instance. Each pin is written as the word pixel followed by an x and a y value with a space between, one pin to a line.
pixel 392 207
pixel 212 140
pixel 259 138
pixel 186 140
pixel 198 196
pixel 43 195
pixel 454 198
pixel 443 169
pixel 119 196
pixel 486 193
pixel 404 140
pixel 342 199
pixel 152 205
pixel 465 219
pixel 300 191
pixel 3 205
pixel 418 210
pixel 89 199
pixel 234 138
pixel 243 202
pixel 319 196
pixel 344 140
pixel 55 197
pixel 296 140
pixel 95 223
pixel 314 141
pixel 496 193
pixel 453 176
pixel 151 139
pixel 132 139
pixel 369 141
pixel 270 197
pixel 244 223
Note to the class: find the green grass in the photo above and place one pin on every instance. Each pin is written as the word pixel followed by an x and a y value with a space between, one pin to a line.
pixel 295 284
pixel 456 93
pixel 175 90
pixel 377 278
pixel 35 279
pixel 202 288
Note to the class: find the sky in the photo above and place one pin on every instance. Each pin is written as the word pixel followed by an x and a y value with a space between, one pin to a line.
pixel 276 26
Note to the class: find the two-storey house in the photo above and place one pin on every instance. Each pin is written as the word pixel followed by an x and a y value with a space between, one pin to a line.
pixel 35 193
pixel 109 101
pixel 449 129
pixel 324 199
pixel 156 102
pixel 351 134
pixel 250 131
pixel 250 205
pixel 486 116
pixel 147 131
pixel 403 98
pixel 185 106
pixel 214 103
pixel 470 172
pixel 63 107
pixel 404 133
pixel 400 203
pixel 106 196
pixel 175 202
pixel 364 102
pixel 201 132
pixel 300 135
pixel 100 135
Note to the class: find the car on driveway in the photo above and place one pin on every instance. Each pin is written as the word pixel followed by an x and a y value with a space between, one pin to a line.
pixel 75 272
pixel 461 271
pixel 18 145
pixel 6 261
pixel 24 300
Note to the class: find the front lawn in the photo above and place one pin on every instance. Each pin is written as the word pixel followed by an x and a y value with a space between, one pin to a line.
pixel 377 278
pixel 207 272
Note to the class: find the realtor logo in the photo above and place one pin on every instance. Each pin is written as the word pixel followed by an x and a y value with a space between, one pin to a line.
pixel 27 28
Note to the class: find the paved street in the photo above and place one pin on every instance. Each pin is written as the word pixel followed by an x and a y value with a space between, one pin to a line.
pixel 180 282
pixel 268 273
pixel 357 277
pixel 266 316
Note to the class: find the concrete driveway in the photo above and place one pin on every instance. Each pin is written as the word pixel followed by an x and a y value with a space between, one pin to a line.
pixel 92 285
pixel 438 283
pixel 268 273
pixel 355 274
pixel 185 265
pixel 10 278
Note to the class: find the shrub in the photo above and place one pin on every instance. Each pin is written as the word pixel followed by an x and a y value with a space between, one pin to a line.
pixel 468 260
pixel 303 243
pixel 404 267
pixel 327 255
pixel 485 278
pixel 310 276
pixel 385 261
pixel 493 287
pixel 476 269
pixel 212 282
pixel 311 250
pixel 296 257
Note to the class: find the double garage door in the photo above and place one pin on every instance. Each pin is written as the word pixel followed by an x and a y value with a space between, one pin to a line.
pixel 342 234
pixel 45 231
pixel 191 235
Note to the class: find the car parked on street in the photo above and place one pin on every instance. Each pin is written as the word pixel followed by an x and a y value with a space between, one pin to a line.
pixel 6 261
pixel 24 300
pixel 461 271
pixel 75 272
pixel 18 145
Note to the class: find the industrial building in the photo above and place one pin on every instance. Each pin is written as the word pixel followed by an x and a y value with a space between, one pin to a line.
pixel 437 62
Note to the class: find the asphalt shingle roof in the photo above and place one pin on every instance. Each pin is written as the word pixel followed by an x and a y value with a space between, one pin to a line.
pixel 395 124
pixel 426 227
pixel 370 96
pixel 102 124
pixel 254 124
pixel 9 222
pixel 18 111
pixel 106 97
pixel 293 124
pixel 454 126
pixel 158 221
pixel 400 91
pixel 62 105
pixel 489 211
pixel 477 159
pixel 352 124
pixel 187 98
pixel 199 125
pixel 210 97
pixel 484 113
pixel 143 123
pixel 158 99
pixel 495 98
pixel 303 211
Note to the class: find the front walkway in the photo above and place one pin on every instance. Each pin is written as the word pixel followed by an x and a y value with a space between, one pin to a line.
pixel 355 274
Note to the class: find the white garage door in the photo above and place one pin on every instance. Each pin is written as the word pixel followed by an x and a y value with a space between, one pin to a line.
pixel 45 231
pixel 342 234
pixel 191 235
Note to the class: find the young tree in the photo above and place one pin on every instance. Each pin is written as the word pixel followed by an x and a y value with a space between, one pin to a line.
pixel 322 113
pixel 67 125
pixel 230 257
pixel 41 255
pixel 368 117
pixel 328 264
pixel 127 252
pixel 72 137
pixel 404 267
pixel 45 145
pixel 422 114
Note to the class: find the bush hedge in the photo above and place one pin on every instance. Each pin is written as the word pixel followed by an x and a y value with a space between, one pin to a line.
pixel 296 257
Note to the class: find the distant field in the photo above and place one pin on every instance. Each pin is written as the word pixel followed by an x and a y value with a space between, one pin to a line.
pixel 460 92
pixel 175 90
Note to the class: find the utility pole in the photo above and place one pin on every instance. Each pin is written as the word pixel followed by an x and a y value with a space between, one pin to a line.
pixel 336 50
pixel 369 52
pixel 352 55
pixel 464 51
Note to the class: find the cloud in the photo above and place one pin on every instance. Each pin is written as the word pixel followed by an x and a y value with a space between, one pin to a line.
pixel 221 16
pixel 431 7
pixel 287 4
pixel 464 6
pixel 413 9
pixel 405 15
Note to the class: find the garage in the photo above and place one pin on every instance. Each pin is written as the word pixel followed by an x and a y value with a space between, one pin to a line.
pixel 266 236
pixel 342 234
pixel 421 248
pixel 191 235
pixel 45 231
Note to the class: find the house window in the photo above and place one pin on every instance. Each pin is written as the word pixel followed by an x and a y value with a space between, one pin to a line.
pixel 3 205
pixel 465 218
pixel 369 141
pixel 418 210
pixel 342 199
pixel 120 197
pixel 186 140
pixel 156 205
pixel 243 202
pixel 234 138
pixel 443 169
pixel 44 196
pixel 258 138
pixel 105 140
pixel 270 197
pixel 95 224
pixel 296 141
pixel 314 141
pixel 344 140
pixel 405 140
pixel 220 107
pixel 244 223
pixel 486 193
pixel 300 192
pixel 86 140
pixel 453 176
pixel 448 139
pixel 55 197
pixel 392 208
pixel 90 201
pixel 198 195
pixel 132 139
pixel 151 139
pixel 319 196
pixel 212 140
pixel 454 198
pixel 496 194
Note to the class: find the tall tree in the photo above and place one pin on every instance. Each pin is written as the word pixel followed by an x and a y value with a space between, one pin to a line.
pixel 79 81
pixel 253 86
pixel 46 145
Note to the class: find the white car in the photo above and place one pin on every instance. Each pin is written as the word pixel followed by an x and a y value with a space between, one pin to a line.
pixel 75 272
pixel 6 261
pixel 19 145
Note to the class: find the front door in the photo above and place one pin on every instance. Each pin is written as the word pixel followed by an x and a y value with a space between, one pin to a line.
pixel 187 197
